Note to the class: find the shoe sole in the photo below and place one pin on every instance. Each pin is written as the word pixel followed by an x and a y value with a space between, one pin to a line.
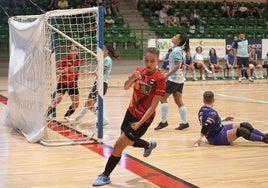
pixel 158 128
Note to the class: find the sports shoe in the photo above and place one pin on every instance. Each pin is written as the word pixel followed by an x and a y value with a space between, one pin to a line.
pixel 251 80
pixel 208 71
pixel 195 79
pixel 182 126
pixel 147 152
pixel 161 125
pixel 101 180
pixel 70 120
pixel 215 78
pixel 240 79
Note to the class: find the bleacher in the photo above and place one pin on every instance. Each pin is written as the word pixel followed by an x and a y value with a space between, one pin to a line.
pixel 217 25
pixel 117 33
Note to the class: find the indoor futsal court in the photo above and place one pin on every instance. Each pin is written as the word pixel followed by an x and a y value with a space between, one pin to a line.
pixel 175 163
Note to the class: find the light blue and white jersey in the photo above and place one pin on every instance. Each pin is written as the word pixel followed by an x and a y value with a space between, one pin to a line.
pixel 242 48
pixel 176 56
pixel 107 65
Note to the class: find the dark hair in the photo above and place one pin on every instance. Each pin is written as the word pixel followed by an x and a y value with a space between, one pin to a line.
pixel 152 50
pixel 184 42
pixel 208 96
pixel 112 52
pixel 214 52
pixel 199 47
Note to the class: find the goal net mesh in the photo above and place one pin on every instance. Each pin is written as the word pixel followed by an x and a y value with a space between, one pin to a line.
pixel 62 30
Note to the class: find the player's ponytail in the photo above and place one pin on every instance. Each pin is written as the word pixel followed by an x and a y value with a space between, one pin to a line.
pixel 184 43
pixel 112 52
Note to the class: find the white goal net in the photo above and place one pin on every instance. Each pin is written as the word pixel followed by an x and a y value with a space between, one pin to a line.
pixel 55 61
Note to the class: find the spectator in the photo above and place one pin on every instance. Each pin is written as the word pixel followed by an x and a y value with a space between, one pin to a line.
pixel 214 64
pixel 235 8
pixel 225 9
pixel 195 19
pixel 188 64
pixel 184 20
pixel 157 6
pixel 198 60
pixel 254 10
pixel 175 20
pixel 52 5
pixel 63 4
pixel 164 19
pixel 231 62
pixel 256 68
pixel 169 7
pixel 243 10
pixel 165 61
pixel 115 7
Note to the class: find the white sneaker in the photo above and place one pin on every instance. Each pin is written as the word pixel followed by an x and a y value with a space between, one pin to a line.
pixel 195 79
pixel 70 120
pixel 261 77
pixel 233 78
pixel 250 79
pixel 208 71
pixel 203 78
pixel 257 77
pixel 240 79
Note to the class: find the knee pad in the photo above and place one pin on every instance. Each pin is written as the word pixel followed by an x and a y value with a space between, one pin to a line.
pixel 244 132
pixel 247 126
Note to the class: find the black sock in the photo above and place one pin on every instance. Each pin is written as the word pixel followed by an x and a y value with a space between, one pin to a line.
pixel 69 112
pixel 52 111
pixel 140 143
pixel 111 164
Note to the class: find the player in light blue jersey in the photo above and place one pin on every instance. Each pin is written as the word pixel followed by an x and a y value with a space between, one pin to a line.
pixel 241 49
pixel 109 53
pixel 175 81
pixel 218 134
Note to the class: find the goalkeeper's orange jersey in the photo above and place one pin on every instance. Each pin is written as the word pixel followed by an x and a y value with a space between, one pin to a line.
pixel 145 88
pixel 70 76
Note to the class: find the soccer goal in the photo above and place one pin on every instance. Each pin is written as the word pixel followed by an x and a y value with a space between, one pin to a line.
pixel 39 49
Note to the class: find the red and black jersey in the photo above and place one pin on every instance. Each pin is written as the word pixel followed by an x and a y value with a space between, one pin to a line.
pixel 70 77
pixel 145 88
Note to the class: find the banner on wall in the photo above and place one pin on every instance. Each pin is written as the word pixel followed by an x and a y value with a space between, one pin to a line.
pixel 264 48
pixel 218 44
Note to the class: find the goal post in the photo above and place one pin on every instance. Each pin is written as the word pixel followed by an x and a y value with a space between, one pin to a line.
pixel 44 46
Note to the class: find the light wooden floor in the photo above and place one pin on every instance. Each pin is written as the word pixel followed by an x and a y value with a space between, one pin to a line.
pixel 243 164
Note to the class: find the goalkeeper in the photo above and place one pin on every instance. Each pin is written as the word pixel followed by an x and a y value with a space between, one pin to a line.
pixel 109 53
pixel 218 134
pixel 68 71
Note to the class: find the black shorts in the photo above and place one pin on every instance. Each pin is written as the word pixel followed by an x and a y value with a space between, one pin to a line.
pixel 94 93
pixel 62 88
pixel 242 62
pixel 173 87
pixel 129 132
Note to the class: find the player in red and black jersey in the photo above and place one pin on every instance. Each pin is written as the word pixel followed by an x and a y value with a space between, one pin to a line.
pixel 68 71
pixel 148 88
